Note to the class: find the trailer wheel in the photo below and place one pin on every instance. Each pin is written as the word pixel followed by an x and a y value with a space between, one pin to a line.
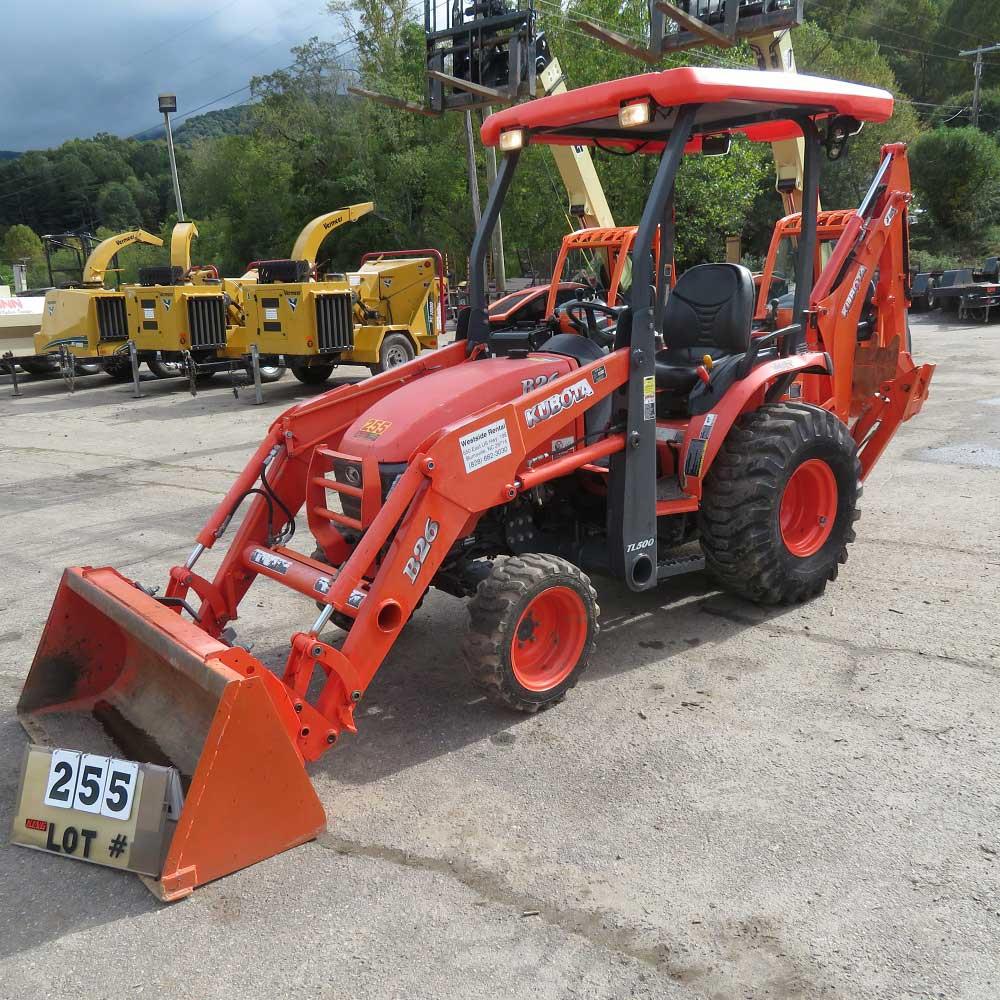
pixel 268 373
pixel 396 350
pixel 311 374
pixel 38 366
pixel 533 628
pixel 118 367
pixel 780 502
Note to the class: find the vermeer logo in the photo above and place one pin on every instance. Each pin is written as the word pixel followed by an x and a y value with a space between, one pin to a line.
pixel 558 402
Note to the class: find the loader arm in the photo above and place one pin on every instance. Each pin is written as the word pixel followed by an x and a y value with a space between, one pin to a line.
pixel 313 233
pixel 101 256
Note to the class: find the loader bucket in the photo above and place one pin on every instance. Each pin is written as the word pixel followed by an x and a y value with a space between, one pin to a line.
pixel 117 672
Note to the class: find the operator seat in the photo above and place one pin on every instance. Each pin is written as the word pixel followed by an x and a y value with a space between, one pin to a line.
pixel 709 311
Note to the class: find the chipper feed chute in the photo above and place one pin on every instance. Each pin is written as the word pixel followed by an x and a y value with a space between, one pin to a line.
pixel 119 672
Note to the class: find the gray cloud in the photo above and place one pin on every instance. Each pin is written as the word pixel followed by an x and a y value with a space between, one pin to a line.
pixel 72 69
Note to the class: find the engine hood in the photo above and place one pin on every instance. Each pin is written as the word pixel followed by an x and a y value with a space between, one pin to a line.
pixel 396 425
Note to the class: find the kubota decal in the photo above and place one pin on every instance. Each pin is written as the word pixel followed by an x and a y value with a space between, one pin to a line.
pixel 421 549
pixel 855 288
pixel 557 402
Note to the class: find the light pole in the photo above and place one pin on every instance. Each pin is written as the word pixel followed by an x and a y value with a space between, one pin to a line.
pixel 168 105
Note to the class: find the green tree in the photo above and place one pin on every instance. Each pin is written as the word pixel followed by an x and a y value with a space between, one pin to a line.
pixel 22 243
pixel 956 172
pixel 116 208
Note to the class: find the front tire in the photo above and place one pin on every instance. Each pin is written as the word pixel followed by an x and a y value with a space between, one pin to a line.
pixel 779 504
pixel 533 628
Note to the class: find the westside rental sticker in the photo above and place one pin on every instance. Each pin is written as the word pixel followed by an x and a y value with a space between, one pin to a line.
pixel 484 446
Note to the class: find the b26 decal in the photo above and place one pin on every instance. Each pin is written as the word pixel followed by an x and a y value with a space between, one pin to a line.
pixel 421 549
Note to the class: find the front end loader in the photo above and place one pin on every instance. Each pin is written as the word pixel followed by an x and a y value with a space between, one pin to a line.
pixel 88 321
pixel 508 474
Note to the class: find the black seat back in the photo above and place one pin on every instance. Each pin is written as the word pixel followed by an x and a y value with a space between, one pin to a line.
pixel 709 311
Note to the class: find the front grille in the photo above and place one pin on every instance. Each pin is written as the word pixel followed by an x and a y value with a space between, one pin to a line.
pixel 207 319
pixel 334 321
pixel 112 323
pixel 351 474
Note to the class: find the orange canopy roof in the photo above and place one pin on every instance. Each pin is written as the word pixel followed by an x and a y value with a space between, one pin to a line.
pixel 759 105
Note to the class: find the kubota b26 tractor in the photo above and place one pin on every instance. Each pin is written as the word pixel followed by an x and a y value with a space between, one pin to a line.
pixel 508 473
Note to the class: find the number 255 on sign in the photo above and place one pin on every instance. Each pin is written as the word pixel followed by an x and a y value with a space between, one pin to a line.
pixel 90 807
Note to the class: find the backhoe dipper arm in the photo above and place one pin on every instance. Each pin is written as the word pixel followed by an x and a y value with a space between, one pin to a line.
pixel 101 256
pixel 313 233
pixel 876 385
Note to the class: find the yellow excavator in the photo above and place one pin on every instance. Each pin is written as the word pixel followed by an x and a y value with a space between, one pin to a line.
pixel 87 321
pixel 382 315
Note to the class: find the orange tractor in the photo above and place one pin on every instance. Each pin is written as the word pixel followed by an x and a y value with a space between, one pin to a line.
pixel 507 471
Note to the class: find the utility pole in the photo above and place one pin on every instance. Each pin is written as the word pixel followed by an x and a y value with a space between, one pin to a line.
pixel 978 53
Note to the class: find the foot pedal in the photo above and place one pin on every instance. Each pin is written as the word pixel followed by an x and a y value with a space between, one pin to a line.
pixel 679 566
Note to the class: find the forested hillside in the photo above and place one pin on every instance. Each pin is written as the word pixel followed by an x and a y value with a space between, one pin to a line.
pixel 253 175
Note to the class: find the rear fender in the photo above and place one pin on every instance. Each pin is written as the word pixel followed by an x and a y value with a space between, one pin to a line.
pixel 706 432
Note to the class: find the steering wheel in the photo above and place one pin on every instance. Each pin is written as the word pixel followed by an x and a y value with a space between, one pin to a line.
pixel 581 315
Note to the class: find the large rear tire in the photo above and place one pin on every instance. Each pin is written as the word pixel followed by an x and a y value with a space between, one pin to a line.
pixel 779 504
pixel 533 628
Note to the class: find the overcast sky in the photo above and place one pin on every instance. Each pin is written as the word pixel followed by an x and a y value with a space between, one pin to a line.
pixel 70 69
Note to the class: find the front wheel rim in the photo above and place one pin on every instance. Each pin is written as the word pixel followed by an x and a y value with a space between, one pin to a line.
pixel 395 356
pixel 548 639
pixel 808 508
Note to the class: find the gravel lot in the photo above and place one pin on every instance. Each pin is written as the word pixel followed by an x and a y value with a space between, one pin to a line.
pixel 733 803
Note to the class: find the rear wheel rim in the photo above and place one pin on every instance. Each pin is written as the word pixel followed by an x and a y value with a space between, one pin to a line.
pixel 549 639
pixel 808 508
pixel 396 355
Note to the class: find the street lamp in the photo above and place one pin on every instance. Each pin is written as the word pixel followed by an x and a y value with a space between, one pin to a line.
pixel 168 105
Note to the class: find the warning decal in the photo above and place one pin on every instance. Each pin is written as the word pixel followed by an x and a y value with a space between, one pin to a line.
pixel 484 446
pixel 649 397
